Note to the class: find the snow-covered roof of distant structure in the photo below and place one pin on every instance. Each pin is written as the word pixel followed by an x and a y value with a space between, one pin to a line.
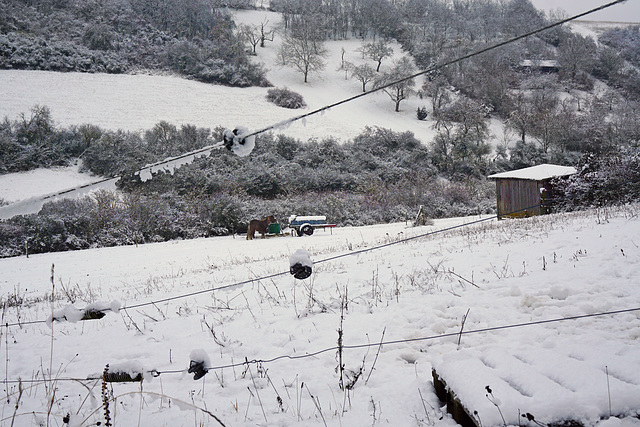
pixel 537 173
pixel 542 63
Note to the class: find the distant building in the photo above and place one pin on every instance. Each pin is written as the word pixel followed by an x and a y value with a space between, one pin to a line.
pixel 527 192
pixel 539 65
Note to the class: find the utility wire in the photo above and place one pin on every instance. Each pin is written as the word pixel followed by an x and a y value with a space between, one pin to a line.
pixel 346 254
pixel 360 346
pixel 428 338
pixel 439 66
pixel 271 276
pixel 300 117
pixel 220 144
pixel 346 100
pixel 332 258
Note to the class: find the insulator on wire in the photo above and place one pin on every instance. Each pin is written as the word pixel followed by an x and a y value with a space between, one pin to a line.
pixel 238 142
pixel 93 314
pixel 300 264
pixel 93 311
pixel 199 364
pixel 228 137
pixel 121 377
pixel 127 372
pixel 300 271
pixel 197 369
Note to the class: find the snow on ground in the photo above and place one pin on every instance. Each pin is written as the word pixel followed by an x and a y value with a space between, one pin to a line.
pixel 408 294
pixel 501 273
pixel 585 30
pixel 23 185
pixel 138 102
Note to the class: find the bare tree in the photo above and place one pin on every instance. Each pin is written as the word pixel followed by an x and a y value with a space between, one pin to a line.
pixel 303 49
pixel 521 116
pixel 250 34
pixel 576 54
pixel 436 87
pixel 363 73
pixel 394 84
pixel 255 34
pixel 377 51
pixel 266 34
pixel 462 133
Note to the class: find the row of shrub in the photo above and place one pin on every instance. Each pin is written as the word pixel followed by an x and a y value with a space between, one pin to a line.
pixel 21 52
pixel 379 176
pixel 33 141
pixel 280 165
pixel 116 218
pixel 109 218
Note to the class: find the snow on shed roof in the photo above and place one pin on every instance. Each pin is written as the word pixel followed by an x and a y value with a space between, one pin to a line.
pixel 536 173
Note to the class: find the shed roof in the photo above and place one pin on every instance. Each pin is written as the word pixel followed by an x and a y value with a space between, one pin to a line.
pixel 536 173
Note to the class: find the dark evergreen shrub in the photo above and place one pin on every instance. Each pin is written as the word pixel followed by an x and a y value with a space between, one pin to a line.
pixel 99 37
pixel 422 113
pixel 286 98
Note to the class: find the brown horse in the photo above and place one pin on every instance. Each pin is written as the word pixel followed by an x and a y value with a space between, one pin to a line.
pixel 260 226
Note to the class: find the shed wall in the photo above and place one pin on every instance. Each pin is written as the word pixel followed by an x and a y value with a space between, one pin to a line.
pixel 518 198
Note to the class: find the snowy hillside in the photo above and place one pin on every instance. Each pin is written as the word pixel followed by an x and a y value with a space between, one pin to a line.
pixel 20 186
pixel 233 301
pixel 544 311
pixel 136 102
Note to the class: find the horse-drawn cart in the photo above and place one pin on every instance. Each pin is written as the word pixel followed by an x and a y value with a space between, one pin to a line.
pixel 304 225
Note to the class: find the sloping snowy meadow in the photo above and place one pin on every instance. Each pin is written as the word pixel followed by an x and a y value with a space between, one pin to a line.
pixel 537 316
pixel 138 102
pixel 271 342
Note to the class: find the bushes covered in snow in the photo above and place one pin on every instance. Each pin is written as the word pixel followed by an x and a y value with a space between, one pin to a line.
pixel 110 219
pixel 282 166
pixel 18 51
pixel 381 176
pixel 33 141
pixel 117 37
pixel 603 180
pixel 285 98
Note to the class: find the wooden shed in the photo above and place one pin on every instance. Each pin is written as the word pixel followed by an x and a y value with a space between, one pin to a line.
pixel 524 192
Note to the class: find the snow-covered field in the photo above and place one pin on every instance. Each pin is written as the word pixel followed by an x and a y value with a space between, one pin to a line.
pixel 233 301
pixel 233 304
pixel 137 102
pixel 24 185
